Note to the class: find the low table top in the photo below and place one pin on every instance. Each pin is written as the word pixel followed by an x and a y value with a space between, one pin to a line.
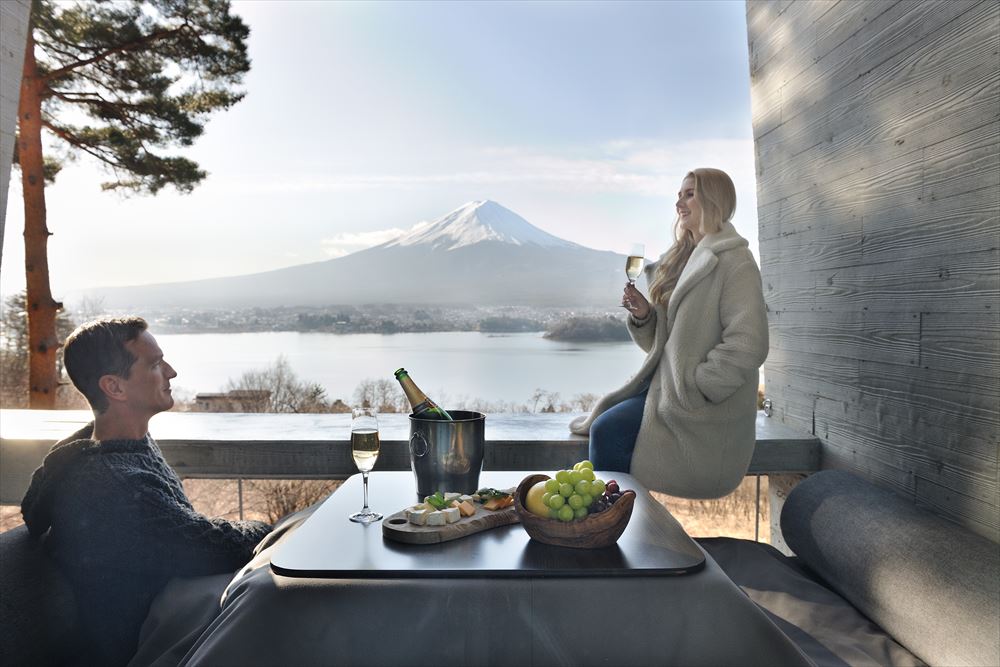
pixel 328 545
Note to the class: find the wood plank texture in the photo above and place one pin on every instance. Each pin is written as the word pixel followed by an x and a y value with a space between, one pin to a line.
pixel 877 138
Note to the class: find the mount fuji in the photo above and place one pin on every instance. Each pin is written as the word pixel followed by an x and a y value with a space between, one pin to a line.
pixel 481 254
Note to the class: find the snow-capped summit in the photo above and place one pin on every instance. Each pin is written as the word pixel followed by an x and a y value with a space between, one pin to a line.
pixel 480 253
pixel 475 222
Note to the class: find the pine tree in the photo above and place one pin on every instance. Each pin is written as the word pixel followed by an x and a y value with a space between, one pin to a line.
pixel 122 82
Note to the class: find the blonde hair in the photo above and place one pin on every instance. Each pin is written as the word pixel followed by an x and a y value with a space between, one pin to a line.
pixel 717 195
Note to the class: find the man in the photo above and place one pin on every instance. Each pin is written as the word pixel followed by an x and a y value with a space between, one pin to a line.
pixel 114 514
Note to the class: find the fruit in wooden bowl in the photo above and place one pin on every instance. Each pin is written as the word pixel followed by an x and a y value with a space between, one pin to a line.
pixel 592 532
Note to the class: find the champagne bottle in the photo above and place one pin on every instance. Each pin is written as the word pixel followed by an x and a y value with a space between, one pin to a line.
pixel 423 407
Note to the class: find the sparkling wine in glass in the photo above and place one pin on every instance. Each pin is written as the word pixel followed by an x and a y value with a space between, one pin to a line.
pixel 635 261
pixel 364 448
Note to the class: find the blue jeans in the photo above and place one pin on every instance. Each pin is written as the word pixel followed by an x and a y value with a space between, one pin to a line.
pixel 613 434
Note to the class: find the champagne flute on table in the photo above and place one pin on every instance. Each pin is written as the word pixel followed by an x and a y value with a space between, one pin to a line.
pixel 364 448
pixel 634 262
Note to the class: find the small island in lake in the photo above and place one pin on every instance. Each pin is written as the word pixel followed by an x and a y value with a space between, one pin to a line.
pixel 608 328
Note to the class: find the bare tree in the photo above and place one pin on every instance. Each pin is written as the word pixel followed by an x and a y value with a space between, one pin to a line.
pixel 277 389
pixel 382 394
pixel 281 497
pixel 584 402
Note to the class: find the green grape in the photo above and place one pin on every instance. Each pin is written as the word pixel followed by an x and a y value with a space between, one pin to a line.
pixel 586 464
pixel 556 501
pixel 575 477
pixel 562 476
pixel 576 466
pixel 553 513
pixel 588 500
pixel 545 498
pixel 580 513
pixel 565 490
pixel 588 474
pixel 566 513
pixel 597 487
pixel 582 487
pixel 575 501
pixel 552 485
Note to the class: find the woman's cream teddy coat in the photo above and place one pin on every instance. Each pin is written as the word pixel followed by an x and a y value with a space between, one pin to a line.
pixel 703 353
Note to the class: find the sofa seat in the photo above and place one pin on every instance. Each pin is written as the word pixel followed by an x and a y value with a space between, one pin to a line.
pixel 825 627
pixel 876 579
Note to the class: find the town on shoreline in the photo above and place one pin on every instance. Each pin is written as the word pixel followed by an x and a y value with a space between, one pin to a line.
pixel 586 324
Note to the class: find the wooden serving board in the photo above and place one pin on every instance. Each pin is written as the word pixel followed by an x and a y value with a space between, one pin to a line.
pixel 396 527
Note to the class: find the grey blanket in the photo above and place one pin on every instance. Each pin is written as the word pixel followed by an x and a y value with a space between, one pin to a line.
pixel 267 619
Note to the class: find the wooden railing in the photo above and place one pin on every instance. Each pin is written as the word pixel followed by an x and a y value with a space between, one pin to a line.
pixel 317 446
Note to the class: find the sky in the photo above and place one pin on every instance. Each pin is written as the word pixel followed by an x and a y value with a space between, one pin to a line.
pixel 362 119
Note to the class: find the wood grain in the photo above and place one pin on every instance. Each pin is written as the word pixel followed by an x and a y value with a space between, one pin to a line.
pixel 945 83
pixel 877 138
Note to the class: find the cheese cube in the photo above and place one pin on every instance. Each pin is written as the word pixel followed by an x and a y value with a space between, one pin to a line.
pixel 451 514
pixel 418 517
pixel 436 518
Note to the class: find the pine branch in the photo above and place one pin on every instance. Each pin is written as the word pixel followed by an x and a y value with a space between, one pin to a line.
pixel 75 142
pixel 122 48
pixel 116 109
pixel 49 46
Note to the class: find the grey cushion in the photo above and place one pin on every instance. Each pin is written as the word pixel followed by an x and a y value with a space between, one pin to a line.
pixel 824 625
pixel 933 585
pixel 38 617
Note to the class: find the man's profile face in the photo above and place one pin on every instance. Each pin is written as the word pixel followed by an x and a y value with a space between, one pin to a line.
pixel 148 384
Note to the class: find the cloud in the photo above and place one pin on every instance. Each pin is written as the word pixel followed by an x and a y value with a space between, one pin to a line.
pixel 348 242
pixel 649 168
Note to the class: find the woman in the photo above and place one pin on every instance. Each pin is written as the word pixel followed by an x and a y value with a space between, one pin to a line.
pixel 685 423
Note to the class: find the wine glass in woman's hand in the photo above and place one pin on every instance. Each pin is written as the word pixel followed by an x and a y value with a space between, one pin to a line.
pixel 634 262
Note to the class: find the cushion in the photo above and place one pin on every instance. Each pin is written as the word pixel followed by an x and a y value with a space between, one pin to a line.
pixel 38 617
pixel 933 585
pixel 821 623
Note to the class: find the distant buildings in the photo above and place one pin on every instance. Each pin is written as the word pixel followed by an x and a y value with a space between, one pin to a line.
pixel 236 400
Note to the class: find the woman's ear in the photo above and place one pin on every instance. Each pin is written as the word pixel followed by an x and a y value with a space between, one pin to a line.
pixel 113 387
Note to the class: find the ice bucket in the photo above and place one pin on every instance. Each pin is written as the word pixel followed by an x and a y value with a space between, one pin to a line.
pixel 447 456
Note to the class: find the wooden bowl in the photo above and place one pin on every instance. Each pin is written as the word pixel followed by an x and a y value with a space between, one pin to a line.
pixel 593 532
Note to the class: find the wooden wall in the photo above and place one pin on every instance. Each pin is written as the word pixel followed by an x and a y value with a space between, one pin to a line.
pixel 877 132
pixel 14 15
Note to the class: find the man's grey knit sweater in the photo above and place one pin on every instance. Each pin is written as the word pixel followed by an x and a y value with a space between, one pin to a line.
pixel 120 526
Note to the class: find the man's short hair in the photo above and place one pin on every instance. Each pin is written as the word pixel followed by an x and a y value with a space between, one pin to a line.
pixel 96 349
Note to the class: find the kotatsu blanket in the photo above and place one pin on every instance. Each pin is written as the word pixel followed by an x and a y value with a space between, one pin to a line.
pixel 268 619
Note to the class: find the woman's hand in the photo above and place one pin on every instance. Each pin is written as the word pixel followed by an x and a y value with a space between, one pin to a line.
pixel 635 302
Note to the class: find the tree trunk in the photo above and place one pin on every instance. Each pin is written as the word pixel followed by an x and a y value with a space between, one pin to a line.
pixel 42 339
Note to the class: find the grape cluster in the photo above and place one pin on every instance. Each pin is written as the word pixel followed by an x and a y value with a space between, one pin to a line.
pixel 611 494
pixel 573 494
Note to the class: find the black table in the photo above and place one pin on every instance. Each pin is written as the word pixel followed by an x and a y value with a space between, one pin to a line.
pixel 329 545
pixel 325 591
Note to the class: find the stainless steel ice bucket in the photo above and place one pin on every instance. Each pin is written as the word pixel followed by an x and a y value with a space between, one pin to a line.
pixel 447 456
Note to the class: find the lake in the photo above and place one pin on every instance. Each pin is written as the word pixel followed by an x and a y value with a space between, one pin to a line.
pixel 450 366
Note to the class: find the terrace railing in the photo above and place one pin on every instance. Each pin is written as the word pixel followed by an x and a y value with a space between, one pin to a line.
pixel 317 446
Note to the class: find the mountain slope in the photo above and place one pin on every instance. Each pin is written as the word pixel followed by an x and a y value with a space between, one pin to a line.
pixel 480 253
